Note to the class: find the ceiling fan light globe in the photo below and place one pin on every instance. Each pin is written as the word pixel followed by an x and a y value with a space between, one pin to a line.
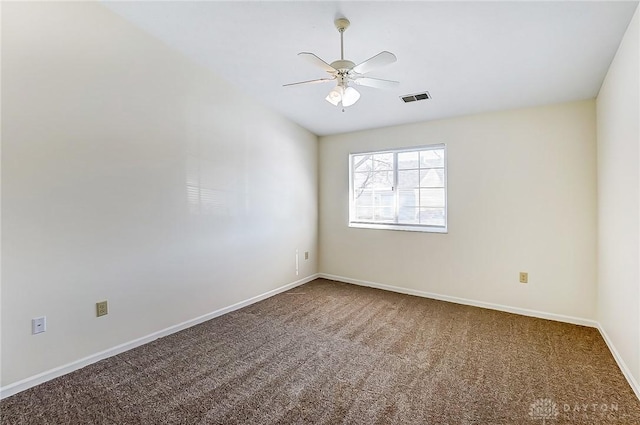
pixel 350 96
pixel 335 96
pixel 332 101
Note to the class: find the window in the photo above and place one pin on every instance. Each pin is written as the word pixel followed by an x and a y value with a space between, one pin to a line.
pixel 401 189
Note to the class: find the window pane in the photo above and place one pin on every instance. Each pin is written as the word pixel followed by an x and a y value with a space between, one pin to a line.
pixel 360 179
pixel 408 160
pixel 408 198
pixel 380 179
pixel 385 198
pixel 432 158
pixel 373 179
pixel 386 213
pixel 364 213
pixel 432 177
pixel 432 197
pixel 408 215
pixel 362 163
pixel 383 161
pixel 374 197
pixel 363 198
pixel 409 178
pixel 432 216
pixel 375 205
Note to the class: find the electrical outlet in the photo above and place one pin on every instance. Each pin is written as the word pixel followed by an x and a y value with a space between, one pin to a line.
pixel 306 255
pixel 524 277
pixel 38 325
pixel 101 309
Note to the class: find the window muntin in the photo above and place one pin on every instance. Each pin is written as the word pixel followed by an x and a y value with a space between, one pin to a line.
pixel 402 189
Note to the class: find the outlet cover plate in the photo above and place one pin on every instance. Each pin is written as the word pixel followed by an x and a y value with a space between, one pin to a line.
pixel 101 308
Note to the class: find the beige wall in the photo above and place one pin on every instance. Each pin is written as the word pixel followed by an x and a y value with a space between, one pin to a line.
pixel 521 197
pixel 619 201
pixel 133 175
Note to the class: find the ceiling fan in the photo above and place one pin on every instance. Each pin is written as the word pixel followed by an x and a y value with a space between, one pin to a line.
pixel 345 71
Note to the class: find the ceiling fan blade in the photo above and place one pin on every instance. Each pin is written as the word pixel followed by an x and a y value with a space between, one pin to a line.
pixel 381 59
pixel 320 80
pixel 311 58
pixel 375 82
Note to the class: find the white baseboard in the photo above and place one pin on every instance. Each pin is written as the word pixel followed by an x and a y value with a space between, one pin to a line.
pixel 522 311
pixel 465 301
pixel 40 378
pixel 621 364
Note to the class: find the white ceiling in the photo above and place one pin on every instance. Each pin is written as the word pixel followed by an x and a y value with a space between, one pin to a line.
pixel 471 56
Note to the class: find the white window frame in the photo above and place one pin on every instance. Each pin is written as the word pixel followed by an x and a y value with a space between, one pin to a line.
pixel 398 226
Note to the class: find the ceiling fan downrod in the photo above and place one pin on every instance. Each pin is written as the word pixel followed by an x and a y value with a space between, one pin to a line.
pixel 342 24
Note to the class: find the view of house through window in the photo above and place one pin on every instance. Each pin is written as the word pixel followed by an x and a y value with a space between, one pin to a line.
pixel 403 189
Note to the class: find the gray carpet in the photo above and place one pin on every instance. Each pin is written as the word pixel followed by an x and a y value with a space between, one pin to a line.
pixel 333 353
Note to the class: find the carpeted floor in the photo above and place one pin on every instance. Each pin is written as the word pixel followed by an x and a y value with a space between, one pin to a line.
pixel 333 353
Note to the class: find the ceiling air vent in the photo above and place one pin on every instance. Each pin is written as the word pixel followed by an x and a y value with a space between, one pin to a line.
pixel 415 97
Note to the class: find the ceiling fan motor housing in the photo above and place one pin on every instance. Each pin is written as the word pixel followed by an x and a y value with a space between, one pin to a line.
pixel 343 65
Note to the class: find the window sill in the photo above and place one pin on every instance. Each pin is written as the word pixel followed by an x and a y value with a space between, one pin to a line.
pixel 401 227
